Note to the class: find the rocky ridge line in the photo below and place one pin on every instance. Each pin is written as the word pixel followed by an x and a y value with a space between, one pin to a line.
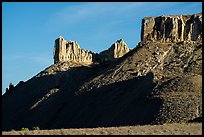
pixel 172 28
pixel 66 51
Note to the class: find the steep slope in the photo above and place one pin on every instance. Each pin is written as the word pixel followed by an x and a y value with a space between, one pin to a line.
pixel 131 91
pixel 155 83
pixel 177 78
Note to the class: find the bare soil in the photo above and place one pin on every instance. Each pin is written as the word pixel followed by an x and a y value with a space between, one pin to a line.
pixel 166 129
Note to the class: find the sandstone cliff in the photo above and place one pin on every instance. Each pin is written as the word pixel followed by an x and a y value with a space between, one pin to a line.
pixel 172 28
pixel 155 83
pixel 117 50
pixel 66 51
pixel 70 51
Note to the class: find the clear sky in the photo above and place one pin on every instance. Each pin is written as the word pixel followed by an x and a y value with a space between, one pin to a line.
pixel 30 29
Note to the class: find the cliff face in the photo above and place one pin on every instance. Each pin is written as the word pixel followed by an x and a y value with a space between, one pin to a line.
pixel 66 51
pixel 70 51
pixel 157 82
pixel 172 28
pixel 117 50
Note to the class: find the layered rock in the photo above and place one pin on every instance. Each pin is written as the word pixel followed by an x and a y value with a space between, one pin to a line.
pixel 172 28
pixel 155 83
pixel 117 50
pixel 67 51
pixel 70 51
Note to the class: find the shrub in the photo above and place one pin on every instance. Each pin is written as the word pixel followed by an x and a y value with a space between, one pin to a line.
pixel 24 129
pixel 36 128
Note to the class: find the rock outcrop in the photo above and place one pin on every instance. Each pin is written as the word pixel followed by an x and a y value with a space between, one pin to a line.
pixel 117 50
pixel 66 51
pixel 172 28
pixel 155 83
pixel 70 51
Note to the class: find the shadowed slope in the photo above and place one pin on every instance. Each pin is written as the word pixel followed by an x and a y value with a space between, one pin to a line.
pixel 154 83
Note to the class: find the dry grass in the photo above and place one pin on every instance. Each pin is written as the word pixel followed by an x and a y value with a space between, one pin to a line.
pixel 167 129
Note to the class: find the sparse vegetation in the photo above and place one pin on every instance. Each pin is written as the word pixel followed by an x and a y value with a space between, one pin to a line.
pixel 167 129
pixel 24 129
pixel 158 82
pixel 36 128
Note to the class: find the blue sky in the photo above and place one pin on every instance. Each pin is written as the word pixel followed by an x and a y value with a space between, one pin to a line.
pixel 30 29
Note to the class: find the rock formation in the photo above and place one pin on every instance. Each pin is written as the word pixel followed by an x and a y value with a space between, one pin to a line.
pixel 117 50
pixel 172 28
pixel 66 51
pixel 155 83
pixel 70 51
